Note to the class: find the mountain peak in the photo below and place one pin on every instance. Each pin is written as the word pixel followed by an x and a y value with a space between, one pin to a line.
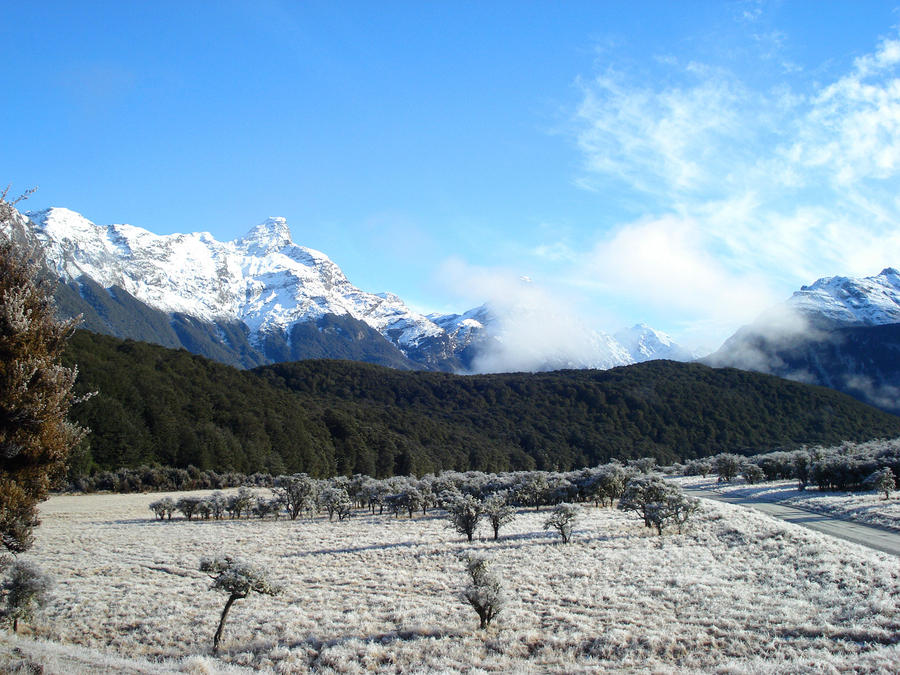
pixel 270 235
pixel 865 301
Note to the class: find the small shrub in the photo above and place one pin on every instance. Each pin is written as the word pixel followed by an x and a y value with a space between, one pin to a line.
pixel 484 591
pixel 25 589
pixel 464 513
pixel 562 519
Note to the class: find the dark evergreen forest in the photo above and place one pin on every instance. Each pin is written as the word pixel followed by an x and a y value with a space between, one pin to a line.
pixel 158 406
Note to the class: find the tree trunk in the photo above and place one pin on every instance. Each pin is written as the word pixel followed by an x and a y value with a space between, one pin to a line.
pixel 16 625
pixel 218 635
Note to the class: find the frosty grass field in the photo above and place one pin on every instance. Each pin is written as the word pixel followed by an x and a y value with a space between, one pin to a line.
pixel 738 592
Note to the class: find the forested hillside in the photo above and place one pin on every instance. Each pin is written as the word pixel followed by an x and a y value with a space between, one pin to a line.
pixel 161 406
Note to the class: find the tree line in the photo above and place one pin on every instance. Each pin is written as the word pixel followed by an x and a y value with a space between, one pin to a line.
pixel 162 407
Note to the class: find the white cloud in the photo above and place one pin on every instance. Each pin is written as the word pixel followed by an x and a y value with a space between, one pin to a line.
pixel 784 185
pixel 667 265
pixel 532 328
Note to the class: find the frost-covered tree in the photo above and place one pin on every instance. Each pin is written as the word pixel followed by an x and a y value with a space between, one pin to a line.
pixel 217 505
pixel 562 519
pixel 412 499
pixel 607 484
pixel 297 493
pixel 188 506
pixel 643 464
pixel 239 503
pixel 263 508
pixel 336 501
pixel 658 502
pixel 238 579
pixel 464 513
pixel 698 467
pixel 883 481
pixel 532 489
pixel 25 589
pixel 484 592
pixel 163 508
pixel 35 390
pixel 753 474
pixel 727 466
pixel 498 511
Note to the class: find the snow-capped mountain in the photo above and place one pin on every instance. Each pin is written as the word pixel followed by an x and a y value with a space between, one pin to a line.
pixel 644 343
pixel 838 332
pixel 262 279
pixel 263 298
pixel 870 301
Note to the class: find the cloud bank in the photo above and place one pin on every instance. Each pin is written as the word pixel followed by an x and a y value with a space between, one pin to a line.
pixel 531 329
pixel 750 192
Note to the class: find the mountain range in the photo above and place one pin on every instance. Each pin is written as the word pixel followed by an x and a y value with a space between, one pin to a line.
pixel 838 332
pixel 264 299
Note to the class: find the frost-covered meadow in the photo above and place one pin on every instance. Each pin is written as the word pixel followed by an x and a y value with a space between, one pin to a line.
pixel 868 507
pixel 737 592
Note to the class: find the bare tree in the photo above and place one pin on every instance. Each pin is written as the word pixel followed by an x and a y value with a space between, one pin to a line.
pixel 238 579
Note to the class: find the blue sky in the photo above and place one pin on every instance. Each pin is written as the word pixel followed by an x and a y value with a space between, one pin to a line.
pixel 681 163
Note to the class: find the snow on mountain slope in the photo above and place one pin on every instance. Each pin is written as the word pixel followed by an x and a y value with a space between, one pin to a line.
pixel 269 284
pixel 262 279
pixel 870 301
pixel 644 343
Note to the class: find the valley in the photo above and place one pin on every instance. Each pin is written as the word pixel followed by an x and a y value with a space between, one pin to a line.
pixel 737 591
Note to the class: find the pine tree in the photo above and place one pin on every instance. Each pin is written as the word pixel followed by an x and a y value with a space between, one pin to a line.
pixel 35 390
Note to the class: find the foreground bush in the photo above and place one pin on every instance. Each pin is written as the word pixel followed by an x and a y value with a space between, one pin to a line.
pixel 25 589
pixel 484 591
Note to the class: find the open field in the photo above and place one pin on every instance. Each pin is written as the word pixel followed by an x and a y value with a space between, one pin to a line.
pixel 869 507
pixel 737 592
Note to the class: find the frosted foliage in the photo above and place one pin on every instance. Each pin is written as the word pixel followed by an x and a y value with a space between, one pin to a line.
pixel 737 592
pixel 484 591
pixel 562 519
pixel 25 589
pixel 237 577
